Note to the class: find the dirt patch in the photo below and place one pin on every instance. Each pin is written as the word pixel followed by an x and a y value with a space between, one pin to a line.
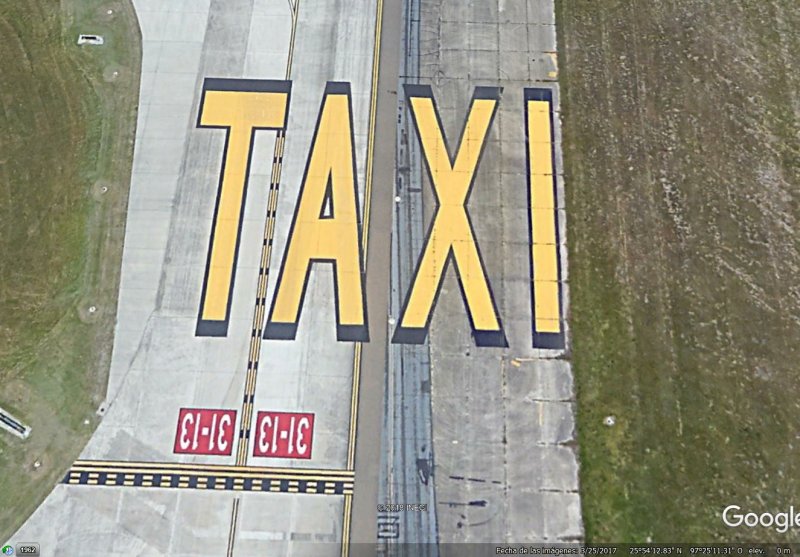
pixel 109 11
pixel 115 72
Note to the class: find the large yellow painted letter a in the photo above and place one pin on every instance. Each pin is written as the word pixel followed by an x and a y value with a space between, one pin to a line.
pixel 326 227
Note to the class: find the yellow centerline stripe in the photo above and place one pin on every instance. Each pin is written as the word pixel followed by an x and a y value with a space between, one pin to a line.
pixel 243 443
pixel 232 529
pixel 348 515
pixel 351 449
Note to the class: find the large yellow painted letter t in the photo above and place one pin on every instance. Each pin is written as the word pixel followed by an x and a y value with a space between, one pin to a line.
pixel 240 107
pixel 450 236
pixel 326 227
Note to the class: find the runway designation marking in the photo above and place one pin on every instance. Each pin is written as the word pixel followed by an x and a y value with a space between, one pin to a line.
pixel 543 221
pixel 205 431
pixel 326 227
pixel 240 107
pixel 210 477
pixel 284 435
pixel 451 236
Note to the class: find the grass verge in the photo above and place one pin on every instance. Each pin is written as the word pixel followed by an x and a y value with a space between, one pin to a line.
pixel 68 116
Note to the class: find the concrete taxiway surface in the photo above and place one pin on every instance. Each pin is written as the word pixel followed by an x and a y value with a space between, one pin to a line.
pixel 159 364
pixel 505 464
pixel 483 436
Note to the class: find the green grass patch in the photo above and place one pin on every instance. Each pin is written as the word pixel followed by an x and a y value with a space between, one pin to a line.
pixel 681 131
pixel 68 122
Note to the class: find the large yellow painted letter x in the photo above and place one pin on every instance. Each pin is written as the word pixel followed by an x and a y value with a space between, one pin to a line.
pixel 548 331
pixel 326 227
pixel 240 107
pixel 451 237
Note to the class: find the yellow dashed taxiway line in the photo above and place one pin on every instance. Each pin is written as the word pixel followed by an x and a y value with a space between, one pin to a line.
pixel 254 353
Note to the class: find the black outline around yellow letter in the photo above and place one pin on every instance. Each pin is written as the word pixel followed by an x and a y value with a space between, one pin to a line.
pixel 219 278
pixel 477 295
pixel 545 265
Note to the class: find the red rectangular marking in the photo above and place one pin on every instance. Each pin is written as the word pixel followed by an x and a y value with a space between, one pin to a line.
pixel 205 431
pixel 283 435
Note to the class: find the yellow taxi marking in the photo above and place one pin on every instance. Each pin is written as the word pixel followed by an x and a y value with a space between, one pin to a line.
pixel 315 236
pixel 351 445
pixel 451 234
pixel 263 277
pixel 240 113
pixel 543 217
pixel 348 517
pixel 232 528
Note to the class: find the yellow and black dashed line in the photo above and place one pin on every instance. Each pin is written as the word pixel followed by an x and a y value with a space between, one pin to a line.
pixel 218 478
pixel 261 302
pixel 545 264
pixel 320 234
